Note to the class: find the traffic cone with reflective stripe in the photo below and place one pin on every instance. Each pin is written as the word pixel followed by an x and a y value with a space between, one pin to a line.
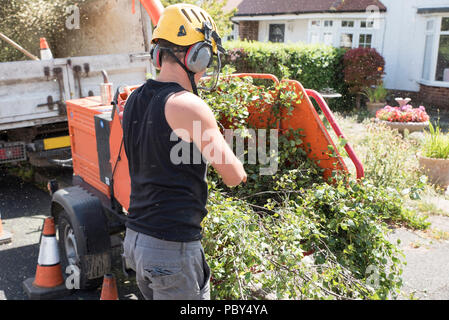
pixel 5 236
pixel 109 289
pixel 48 282
pixel 45 50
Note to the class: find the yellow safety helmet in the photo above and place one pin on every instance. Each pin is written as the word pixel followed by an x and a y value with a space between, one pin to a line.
pixel 181 24
pixel 190 26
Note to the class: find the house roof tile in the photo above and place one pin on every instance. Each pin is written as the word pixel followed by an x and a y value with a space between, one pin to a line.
pixel 273 7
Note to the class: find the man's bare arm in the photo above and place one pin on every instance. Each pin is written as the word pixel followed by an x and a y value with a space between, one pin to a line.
pixel 195 121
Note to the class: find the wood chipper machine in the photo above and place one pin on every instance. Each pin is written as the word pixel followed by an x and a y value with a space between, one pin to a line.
pixel 95 207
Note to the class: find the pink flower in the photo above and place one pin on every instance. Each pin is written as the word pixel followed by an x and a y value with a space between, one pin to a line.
pixel 402 114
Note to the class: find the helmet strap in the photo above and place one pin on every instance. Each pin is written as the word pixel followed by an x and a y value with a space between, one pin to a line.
pixel 190 74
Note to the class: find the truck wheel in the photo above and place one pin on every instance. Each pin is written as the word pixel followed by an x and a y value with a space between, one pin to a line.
pixel 73 252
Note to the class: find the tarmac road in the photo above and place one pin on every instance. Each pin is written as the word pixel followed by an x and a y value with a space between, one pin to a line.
pixel 24 207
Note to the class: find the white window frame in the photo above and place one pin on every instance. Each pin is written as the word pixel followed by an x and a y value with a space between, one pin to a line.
pixel 370 33
pixel 434 56
pixel 348 20
pixel 337 30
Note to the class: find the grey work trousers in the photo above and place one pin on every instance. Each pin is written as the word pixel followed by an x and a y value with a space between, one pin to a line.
pixel 167 270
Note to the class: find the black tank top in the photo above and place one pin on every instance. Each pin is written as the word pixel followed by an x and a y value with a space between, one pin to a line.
pixel 168 199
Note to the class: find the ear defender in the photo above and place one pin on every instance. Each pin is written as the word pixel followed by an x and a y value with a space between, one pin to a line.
pixel 198 57
pixel 156 57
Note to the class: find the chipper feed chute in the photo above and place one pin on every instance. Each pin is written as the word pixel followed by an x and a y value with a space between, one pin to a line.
pixel 100 160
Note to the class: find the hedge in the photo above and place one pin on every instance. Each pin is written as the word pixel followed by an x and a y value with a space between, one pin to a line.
pixel 316 66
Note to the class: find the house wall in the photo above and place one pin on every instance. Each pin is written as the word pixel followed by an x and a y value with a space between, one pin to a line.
pixel 404 42
pixel 435 96
pixel 399 38
pixel 249 30
pixel 295 30
pixel 298 28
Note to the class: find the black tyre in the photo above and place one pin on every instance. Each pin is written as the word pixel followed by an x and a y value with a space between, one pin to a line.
pixel 73 251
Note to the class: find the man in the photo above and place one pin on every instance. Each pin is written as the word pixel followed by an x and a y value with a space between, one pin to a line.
pixel 168 196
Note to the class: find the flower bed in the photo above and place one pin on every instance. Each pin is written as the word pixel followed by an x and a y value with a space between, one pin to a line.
pixel 403 118
pixel 402 114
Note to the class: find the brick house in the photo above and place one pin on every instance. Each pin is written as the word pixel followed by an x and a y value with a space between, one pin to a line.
pixel 412 36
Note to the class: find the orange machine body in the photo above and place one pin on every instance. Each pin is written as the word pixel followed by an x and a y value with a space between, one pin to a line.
pixel 80 116
pixel 99 156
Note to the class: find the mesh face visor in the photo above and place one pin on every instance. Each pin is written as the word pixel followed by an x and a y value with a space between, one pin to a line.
pixel 210 78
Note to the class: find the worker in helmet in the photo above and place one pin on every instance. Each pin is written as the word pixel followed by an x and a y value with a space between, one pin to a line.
pixel 169 133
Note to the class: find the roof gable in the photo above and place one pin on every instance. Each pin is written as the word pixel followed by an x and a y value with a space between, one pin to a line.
pixel 273 7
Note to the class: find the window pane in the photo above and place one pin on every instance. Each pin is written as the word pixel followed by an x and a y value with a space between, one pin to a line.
pixel 445 24
pixel 347 24
pixel 328 23
pixel 366 24
pixel 427 57
pixel 442 73
pixel 365 40
pixel 346 40
pixel 316 23
pixel 276 33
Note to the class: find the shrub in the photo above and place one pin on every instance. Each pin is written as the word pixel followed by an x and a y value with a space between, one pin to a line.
pixel 389 160
pixel 363 68
pixel 316 66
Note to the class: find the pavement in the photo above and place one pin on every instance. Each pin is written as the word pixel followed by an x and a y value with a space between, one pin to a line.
pixel 24 207
pixel 426 275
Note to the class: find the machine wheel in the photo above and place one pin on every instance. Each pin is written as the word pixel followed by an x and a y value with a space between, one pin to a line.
pixel 73 252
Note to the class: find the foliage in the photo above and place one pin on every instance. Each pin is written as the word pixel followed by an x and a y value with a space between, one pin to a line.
pixel 316 66
pixel 376 94
pixel 389 160
pixel 215 9
pixel 403 114
pixel 436 144
pixel 26 21
pixel 256 234
pixel 363 67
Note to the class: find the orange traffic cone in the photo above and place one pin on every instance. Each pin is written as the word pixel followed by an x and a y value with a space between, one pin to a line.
pixel 48 282
pixel 109 289
pixel 5 236
pixel 45 50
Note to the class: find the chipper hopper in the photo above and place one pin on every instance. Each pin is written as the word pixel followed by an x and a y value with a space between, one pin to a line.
pixel 95 207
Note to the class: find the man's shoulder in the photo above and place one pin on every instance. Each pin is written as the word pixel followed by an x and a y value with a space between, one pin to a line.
pixel 186 101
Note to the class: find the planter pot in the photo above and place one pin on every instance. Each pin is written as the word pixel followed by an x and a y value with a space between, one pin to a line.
pixel 437 170
pixel 401 126
pixel 374 106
